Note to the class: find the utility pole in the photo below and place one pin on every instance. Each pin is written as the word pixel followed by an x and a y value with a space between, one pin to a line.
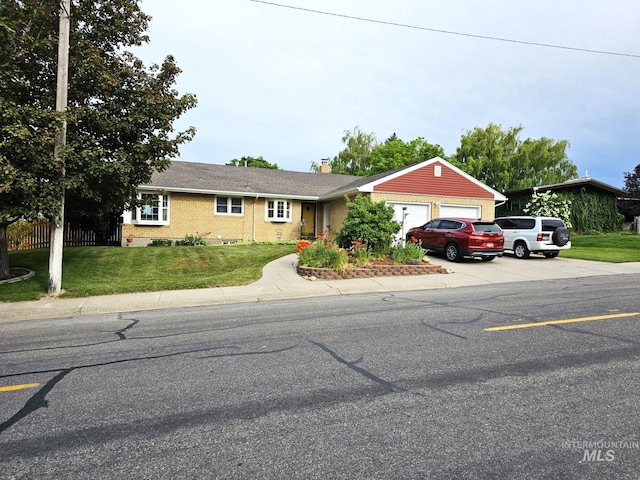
pixel 56 243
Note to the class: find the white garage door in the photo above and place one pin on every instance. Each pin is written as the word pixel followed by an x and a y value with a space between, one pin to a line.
pixel 463 211
pixel 414 214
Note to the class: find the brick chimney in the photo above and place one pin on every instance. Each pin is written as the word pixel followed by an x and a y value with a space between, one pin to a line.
pixel 324 166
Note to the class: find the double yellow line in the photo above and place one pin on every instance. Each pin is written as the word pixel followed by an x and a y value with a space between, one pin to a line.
pixel 560 322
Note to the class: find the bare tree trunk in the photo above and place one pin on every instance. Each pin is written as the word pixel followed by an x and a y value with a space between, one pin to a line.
pixel 4 252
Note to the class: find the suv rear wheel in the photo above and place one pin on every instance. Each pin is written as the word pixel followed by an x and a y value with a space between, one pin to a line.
pixel 520 250
pixel 550 254
pixel 452 252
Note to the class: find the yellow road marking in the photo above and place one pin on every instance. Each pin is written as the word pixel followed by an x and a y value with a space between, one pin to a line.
pixel 559 322
pixel 10 388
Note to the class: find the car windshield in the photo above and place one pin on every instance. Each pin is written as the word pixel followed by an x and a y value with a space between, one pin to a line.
pixel 486 227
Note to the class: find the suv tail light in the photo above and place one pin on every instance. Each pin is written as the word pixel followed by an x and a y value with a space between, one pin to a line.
pixel 542 237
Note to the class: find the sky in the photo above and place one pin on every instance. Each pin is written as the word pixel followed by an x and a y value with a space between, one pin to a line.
pixel 285 83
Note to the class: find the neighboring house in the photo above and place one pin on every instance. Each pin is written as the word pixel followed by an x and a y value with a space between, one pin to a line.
pixel 226 203
pixel 583 192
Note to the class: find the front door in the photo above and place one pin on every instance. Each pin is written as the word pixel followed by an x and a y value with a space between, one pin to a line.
pixel 308 220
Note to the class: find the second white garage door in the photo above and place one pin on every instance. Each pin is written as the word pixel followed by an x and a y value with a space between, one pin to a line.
pixel 462 211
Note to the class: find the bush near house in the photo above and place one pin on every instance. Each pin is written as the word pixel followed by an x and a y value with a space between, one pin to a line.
pixel 191 241
pixel 594 211
pixel 589 211
pixel 187 241
pixel 370 222
pixel 160 243
pixel 365 237
pixel 549 204
pixel 407 253
pixel 323 253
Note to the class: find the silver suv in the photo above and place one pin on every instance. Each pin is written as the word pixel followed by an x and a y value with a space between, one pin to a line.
pixel 526 235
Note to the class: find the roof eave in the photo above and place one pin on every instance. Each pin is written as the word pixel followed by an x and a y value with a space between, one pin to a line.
pixel 574 183
pixel 202 191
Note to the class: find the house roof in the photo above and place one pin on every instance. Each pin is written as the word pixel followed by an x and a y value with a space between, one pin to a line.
pixel 224 179
pixel 578 182
pixel 210 178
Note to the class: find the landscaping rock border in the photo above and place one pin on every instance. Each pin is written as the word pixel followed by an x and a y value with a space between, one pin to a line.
pixel 369 271
pixel 18 274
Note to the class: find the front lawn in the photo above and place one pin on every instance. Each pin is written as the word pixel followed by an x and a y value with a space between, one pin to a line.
pixel 607 247
pixel 109 270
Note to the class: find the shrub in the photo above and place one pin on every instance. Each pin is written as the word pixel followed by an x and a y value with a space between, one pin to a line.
pixel 302 245
pixel 410 251
pixel 360 252
pixel 370 222
pixel 191 241
pixel 268 242
pixel 17 232
pixel 160 243
pixel 594 211
pixel 549 204
pixel 323 253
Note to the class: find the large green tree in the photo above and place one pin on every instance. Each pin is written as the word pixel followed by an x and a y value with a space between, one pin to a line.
pixel 253 162
pixel 355 158
pixel 395 153
pixel 364 156
pixel 120 112
pixel 504 162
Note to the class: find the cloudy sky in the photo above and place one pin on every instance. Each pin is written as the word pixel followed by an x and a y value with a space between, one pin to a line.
pixel 285 83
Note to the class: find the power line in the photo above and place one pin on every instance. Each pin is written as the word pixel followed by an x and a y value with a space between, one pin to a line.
pixel 448 32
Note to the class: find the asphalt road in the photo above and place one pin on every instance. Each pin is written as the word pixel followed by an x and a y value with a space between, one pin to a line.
pixel 395 385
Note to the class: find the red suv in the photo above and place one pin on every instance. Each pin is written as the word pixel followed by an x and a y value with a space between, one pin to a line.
pixel 460 237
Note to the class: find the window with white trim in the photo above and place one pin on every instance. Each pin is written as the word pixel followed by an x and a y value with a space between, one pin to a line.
pixel 154 210
pixel 229 206
pixel 278 210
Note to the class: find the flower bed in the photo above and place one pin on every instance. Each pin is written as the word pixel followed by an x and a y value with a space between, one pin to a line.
pixel 368 271
pixel 324 260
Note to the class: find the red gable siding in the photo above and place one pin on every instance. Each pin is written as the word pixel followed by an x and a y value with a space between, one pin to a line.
pixel 423 182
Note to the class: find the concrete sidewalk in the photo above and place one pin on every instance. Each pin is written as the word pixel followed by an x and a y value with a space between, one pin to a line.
pixel 280 281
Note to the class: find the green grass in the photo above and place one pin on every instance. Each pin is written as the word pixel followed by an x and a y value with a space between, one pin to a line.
pixel 108 270
pixel 607 247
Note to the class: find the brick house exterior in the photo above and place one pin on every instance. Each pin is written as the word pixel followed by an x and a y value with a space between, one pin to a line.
pixel 227 203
